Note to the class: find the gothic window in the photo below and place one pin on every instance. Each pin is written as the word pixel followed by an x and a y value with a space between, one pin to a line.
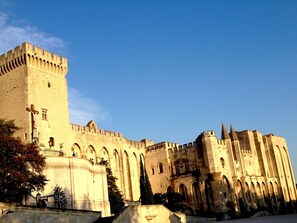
pixel 153 171
pixel 160 168
pixel 44 114
pixel 183 191
pixel 170 189
pixel 105 155
pixel 117 159
pixel 187 167
pixel 76 151
pixel 91 154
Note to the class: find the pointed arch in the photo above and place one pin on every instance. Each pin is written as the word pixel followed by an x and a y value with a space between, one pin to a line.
pixel 91 153
pixel 127 177
pixel 226 187
pixel 183 191
pixel 259 194
pixel 76 150
pixel 240 194
pixel 105 155
pixel 170 189
pixel 135 176
pixel 160 167
pixel 253 192
pixel 116 159
pixel 272 192
pixel 247 192
pixel 197 198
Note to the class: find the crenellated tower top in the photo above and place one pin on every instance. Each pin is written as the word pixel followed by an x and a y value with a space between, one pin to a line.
pixel 27 54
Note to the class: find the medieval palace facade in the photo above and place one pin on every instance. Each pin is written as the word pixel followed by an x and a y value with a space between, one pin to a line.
pixel 245 169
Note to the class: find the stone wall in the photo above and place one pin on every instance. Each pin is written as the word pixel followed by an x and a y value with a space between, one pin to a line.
pixel 20 214
pixel 150 213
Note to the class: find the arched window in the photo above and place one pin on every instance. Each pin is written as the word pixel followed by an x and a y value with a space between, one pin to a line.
pixel 75 150
pixel 183 191
pixel 117 159
pixel 222 162
pixel 160 168
pixel 170 189
pixel 105 155
pixel 91 154
pixel 153 170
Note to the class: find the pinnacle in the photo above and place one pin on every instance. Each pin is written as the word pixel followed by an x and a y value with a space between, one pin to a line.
pixel 224 134
pixel 233 134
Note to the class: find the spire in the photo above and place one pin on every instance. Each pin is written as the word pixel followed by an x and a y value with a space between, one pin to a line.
pixel 224 134
pixel 233 134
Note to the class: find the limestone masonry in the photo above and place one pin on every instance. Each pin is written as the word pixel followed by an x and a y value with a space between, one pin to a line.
pixel 245 169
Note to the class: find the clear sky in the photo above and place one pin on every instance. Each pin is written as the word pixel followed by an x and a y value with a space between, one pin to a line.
pixel 169 70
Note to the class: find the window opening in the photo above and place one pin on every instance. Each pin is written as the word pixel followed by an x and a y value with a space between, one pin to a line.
pixel 44 114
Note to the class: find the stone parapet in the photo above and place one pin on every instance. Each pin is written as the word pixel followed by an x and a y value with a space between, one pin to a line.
pixel 106 133
pixel 32 56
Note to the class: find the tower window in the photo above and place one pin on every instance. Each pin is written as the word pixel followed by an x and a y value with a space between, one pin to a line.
pixel 49 85
pixel 160 168
pixel 153 171
pixel 187 167
pixel 44 114
pixel 51 141
pixel 222 162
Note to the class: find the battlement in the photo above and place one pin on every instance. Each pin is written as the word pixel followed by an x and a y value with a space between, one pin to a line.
pixel 27 54
pixel 135 144
pixel 246 151
pixel 96 131
pixel 209 133
pixel 161 145
pixel 183 148
pixel 90 130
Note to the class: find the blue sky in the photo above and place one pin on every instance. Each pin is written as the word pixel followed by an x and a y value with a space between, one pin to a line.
pixel 168 70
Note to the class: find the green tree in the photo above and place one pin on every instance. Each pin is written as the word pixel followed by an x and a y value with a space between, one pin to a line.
pixel 7 128
pixel 116 199
pixel 60 198
pixel 146 193
pixel 21 165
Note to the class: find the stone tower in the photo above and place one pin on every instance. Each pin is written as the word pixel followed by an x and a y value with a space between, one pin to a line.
pixel 33 91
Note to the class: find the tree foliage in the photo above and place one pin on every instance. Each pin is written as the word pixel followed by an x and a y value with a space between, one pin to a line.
pixel 115 197
pixel 7 128
pixel 146 193
pixel 21 165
